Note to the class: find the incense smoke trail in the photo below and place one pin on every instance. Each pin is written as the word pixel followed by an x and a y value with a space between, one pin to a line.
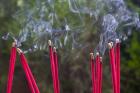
pixel 62 21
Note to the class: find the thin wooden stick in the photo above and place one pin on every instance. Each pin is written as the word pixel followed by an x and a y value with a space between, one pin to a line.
pixel 11 68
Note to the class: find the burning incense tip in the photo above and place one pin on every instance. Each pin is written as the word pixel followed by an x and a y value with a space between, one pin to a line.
pixel 19 50
pixel 101 59
pixel 54 49
pixel 117 40
pixel 97 53
pixel 50 42
pixel 110 45
pixel 13 44
pixel 91 54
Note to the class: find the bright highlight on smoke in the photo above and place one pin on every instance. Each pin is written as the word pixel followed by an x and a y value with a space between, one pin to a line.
pixel 62 21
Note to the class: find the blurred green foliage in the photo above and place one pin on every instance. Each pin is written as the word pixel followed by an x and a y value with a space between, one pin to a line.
pixel 74 66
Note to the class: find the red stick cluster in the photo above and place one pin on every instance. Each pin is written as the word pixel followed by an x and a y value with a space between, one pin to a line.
pixel 96 73
pixel 29 76
pixel 54 68
pixel 96 69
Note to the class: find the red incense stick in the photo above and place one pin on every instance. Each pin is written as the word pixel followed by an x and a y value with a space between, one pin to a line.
pixel 52 67
pixel 30 73
pixel 26 71
pixel 92 67
pixel 56 70
pixel 113 68
pixel 100 77
pixel 97 71
pixel 118 63
pixel 11 68
pixel 32 77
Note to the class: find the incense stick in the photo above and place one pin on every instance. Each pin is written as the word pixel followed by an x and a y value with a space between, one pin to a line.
pixel 118 63
pixel 92 67
pixel 56 69
pixel 52 66
pixel 11 68
pixel 97 71
pixel 26 71
pixel 113 68
pixel 100 77
pixel 32 78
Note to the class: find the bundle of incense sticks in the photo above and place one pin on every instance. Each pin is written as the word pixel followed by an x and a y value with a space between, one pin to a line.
pixel 54 67
pixel 114 54
pixel 31 81
pixel 96 71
